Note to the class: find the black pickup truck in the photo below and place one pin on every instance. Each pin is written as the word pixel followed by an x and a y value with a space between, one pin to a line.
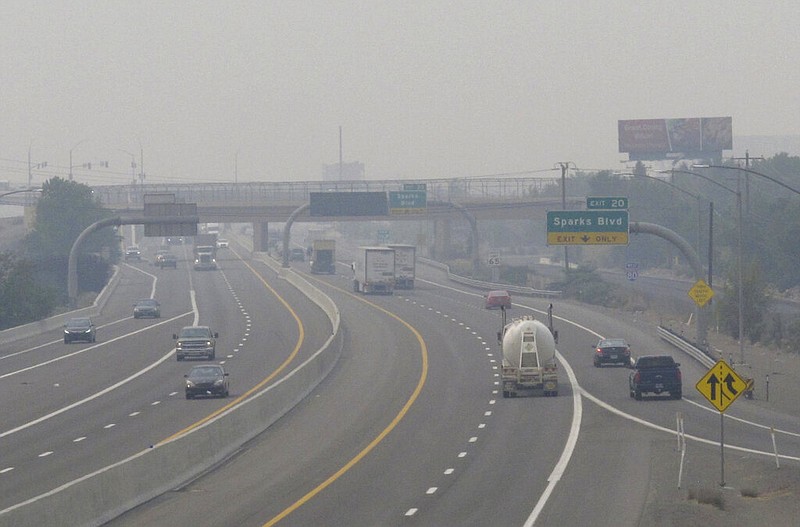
pixel 655 374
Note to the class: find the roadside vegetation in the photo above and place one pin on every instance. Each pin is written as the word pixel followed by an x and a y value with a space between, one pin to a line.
pixel 33 283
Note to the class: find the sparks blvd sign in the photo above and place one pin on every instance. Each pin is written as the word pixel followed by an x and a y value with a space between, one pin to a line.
pixel 408 202
pixel 587 227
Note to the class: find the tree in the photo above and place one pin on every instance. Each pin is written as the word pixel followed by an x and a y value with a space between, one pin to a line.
pixel 23 298
pixel 754 304
pixel 64 210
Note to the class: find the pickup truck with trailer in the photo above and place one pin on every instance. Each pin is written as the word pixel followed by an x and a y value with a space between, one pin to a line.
pixel 373 270
pixel 405 258
pixel 529 358
pixel 656 374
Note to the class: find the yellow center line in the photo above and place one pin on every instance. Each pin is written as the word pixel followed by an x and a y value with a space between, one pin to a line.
pixel 262 383
pixel 380 437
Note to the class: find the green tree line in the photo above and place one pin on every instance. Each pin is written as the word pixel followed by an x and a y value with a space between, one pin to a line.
pixel 34 282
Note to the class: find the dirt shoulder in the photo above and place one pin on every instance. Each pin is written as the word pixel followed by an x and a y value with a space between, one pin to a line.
pixel 756 491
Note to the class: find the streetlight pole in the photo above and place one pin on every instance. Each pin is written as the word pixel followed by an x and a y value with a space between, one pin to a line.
pixel 71 166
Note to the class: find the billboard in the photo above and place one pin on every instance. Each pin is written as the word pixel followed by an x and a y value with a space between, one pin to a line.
pixel 698 137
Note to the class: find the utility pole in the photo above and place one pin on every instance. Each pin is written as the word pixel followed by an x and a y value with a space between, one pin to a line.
pixel 747 160
pixel 564 167
pixel 31 166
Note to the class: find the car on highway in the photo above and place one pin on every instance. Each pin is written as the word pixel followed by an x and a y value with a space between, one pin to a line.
pixel 133 253
pixel 657 374
pixel 160 254
pixel 497 299
pixel 168 260
pixel 148 307
pixel 208 380
pixel 196 342
pixel 612 351
pixel 222 243
pixel 297 255
pixel 80 328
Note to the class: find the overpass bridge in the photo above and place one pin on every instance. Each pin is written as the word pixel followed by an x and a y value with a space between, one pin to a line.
pixel 262 203
pixel 275 201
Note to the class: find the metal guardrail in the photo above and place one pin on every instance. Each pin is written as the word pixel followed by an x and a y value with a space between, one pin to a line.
pixel 520 290
pixel 685 346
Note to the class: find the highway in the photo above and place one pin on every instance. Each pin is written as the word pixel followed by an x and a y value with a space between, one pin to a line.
pixel 408 428
pixel 71 409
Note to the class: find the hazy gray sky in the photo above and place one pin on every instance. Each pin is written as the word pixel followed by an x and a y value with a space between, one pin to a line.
pixel 421 88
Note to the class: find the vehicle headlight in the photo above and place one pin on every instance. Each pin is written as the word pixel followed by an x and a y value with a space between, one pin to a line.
pixel 179 345
pixel 88 330
pixel 218 382
pixel 66 331
pixel 208 343
pixel 189 384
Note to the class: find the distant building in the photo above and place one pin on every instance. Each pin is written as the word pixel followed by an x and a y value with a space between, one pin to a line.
pixel 352 171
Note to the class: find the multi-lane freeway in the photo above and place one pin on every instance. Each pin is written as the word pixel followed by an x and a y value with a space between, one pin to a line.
pixel 407 429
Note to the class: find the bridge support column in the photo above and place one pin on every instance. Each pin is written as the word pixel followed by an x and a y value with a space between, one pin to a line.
pixel 260 237
pixel 441 239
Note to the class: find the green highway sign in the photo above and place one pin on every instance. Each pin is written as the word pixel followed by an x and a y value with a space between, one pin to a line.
pixel 587 227
pixel 415 186
pixel 606 203
pixel 408 202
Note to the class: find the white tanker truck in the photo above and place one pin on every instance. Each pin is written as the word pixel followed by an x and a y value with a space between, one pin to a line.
pixel 529 357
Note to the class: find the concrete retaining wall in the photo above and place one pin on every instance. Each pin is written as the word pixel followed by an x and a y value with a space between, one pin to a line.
pixel 98 497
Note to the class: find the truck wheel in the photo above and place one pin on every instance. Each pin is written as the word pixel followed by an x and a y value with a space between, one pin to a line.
pixel 637 394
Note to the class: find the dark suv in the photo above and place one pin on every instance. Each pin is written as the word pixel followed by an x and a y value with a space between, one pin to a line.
pixel 196 342
pixel 612 351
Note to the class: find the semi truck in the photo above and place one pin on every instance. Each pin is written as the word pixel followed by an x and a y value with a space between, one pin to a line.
pixel 529 358
pixel 205 252
pixel 373 270
pixel 323 256
pixel 405 263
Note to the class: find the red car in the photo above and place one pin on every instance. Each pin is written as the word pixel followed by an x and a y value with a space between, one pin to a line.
pixel 498 299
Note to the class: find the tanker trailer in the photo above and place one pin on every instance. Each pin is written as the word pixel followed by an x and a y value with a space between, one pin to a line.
pixel 529 358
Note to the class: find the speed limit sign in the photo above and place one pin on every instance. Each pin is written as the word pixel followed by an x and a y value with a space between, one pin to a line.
pixel 494 260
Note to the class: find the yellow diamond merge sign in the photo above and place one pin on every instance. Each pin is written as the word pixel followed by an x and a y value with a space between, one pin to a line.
pixel 701 293
pixel 721 385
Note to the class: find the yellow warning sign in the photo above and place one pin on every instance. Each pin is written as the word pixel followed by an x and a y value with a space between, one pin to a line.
pixel 701 293
pixel 721 385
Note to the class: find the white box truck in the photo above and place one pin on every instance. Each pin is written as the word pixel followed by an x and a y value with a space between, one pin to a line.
pixel 405 264
pixel 373 270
